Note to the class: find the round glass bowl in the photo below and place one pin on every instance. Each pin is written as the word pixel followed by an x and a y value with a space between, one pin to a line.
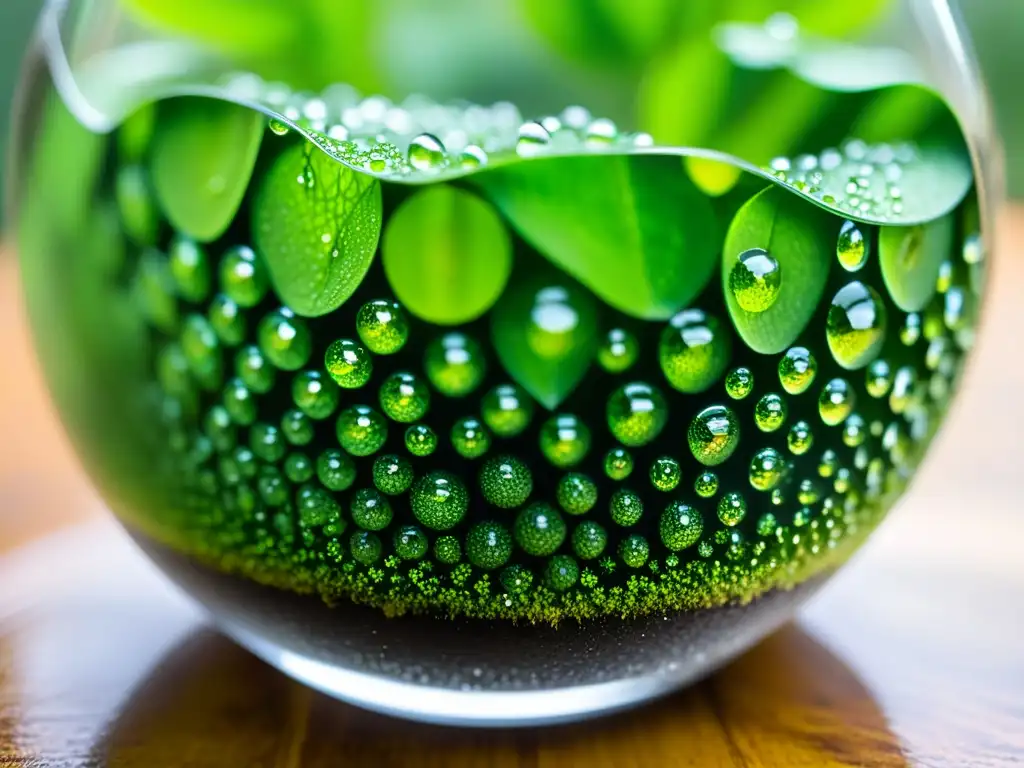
pixel 545 363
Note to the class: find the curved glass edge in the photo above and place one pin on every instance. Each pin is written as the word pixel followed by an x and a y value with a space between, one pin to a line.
pixel 947 50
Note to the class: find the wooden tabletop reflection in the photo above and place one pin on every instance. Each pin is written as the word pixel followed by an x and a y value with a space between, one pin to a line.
pixel 913 656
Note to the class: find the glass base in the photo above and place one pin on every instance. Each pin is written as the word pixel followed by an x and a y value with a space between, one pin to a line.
pixel 476 673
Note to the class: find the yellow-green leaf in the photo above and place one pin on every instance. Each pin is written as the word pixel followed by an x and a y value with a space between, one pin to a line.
pixel 447 255
pixel 316 223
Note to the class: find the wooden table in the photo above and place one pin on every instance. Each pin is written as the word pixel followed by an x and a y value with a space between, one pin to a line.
pixel 913 656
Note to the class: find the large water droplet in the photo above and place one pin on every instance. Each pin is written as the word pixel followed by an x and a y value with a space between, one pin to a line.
pixel 533 139
pixel 766 469
pixel 755 280
pixel 694 351
pixel 856 326
pixel 426 153
pixel 553 323
pixel 797 370
pixel 713 435
pixel 637 413
pixel 836 402
pixel 852 247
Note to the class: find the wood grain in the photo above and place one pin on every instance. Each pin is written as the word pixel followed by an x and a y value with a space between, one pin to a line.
pixel 911 657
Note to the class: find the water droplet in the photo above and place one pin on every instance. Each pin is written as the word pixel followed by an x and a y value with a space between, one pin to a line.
pixel 945 279
pixel 349 364
pixel 370 511
pixel 973 249
pixel 243 277
pixel 507 410
pixel 533 139
pixel 739 383
pixel 278 128
pixel 554 321
pixel 488 545
pixel 365 547
pixel 855 431
pixel 392 474
pixel 404 397
pixel 694 351
pixel 470 438
pixel 601 132
pixel 637 413
pixel 539 529
pixel 505 481
pixel 315 395
pixel 564 440
pixel 411 543
pixel 589 540
pixel 855 328
pixel 706 484
pixel 285 339
pixel 297 427
pixel 253 368
pixel 618 464
pixel 426 153
pixel 911 330
pixel 335 470
pixel 852 247
pixel 472 157
pixel 836 402
pixel 797 370
pixel 713 435
pixel 361 430
pixel 666 473
pixel 439 500
pixel 619 351
pixel 800 438
pixel 904 384
pixel 561 574
pixel 732 508
pixel 755 280
pixel 878 379
pixel 626 508
pixel 382 326
pixel 680 526
pixel 807 492
pixel 770 412
pixel 576 493
pixel 448 550
pixel 420 440
pixel 767 469
pixel 455 364
pixel 634 551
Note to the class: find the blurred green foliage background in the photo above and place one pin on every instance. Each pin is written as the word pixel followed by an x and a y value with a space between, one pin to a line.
pixel 997 26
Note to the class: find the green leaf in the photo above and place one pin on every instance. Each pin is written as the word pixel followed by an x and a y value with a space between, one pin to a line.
pixel 316 223
pixel 911 258
pixel 203 154
pixel 447 255
pixel 802 240
pixel 545 332
pixel 633 229
pixel 908 185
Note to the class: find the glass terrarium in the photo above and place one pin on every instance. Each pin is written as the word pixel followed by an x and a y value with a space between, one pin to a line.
pixel 502 362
